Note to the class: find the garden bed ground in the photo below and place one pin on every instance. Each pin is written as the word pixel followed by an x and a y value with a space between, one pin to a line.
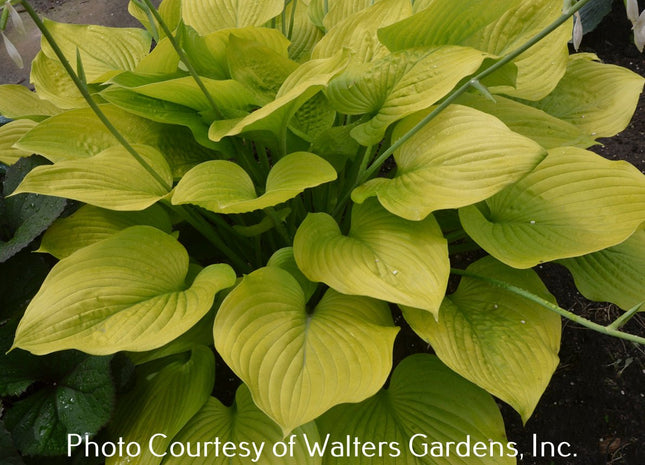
pixel 596 400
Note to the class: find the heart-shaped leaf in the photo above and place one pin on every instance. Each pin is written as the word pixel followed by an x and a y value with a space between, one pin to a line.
pixel 127 292
pixel 426 407
pixel 575 202
pixel 246 425
pixel 161 403
pixel 104 51
pixel 112 179
pixel 500 341
pixel 461 157
pixel 383 256
pixel 25 216
pixel 224 187
pixel 400 84
pixel 299 362
pixel 353 24
pixel 615 274
pixel 598 98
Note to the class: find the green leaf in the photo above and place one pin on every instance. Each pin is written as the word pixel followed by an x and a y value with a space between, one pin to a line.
pixel 26 216
pixel 162 402
pixel 599 99
pixel 224 187
pixel 305 34
pixel 548 131
pixel 207 16
pixel 399 85
pixel 426 407
pixel 91 224
pixel 383 256
pixel 170 11
pixel 305 82
pixel 19 102
pixel 440 168
pixel 496 339
pixel 574 203
pixel 104 51
pixel 78 398
pixel 242 424
pixel 615 274
pixel 135 279
pixel 10 133
pixel 8 453
pixel 297 362
pixel 112 179
pixel 354 24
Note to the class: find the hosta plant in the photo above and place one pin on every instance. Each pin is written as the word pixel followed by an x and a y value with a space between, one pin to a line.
pixel 274 183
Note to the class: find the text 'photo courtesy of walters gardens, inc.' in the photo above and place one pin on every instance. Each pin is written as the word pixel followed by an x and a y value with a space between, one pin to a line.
pixel 419 445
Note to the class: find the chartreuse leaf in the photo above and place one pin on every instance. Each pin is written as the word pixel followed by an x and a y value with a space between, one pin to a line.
pixel 19 102
pixel 459 158
pixel 283 258
pixel 10 133
pixel 112 179
pixel 355 25
pixel 383 256
pixel 80 134
pixel 207 16
pixel 574 203
pixel 163 59
pixel 443 22
pixel 53 84
pixel 598 98
pixel 615 274
pixel 514 28
pixel 426 407
pixel 493 28
pixel 500 341
pixel 305 82
pixel 399 85
pixel 170 11
pixel 299 362
pixel 161 404
pixel 224 187
pixel 25 216
pixel 91 224
pixel 305 35
pixel 546 130
pixel 127 292
pixel 257 66
pixel 208 53
pixel 162 112
pixel 104 51
pixel 242 423
pixel 227 94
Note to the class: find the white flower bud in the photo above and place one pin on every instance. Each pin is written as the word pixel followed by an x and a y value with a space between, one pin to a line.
pixel 16 20
pixel 577 31
pixel 639 32
pixel 13 52
pixel 632 10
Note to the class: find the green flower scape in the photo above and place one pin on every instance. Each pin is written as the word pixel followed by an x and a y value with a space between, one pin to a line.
pixel 274 183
